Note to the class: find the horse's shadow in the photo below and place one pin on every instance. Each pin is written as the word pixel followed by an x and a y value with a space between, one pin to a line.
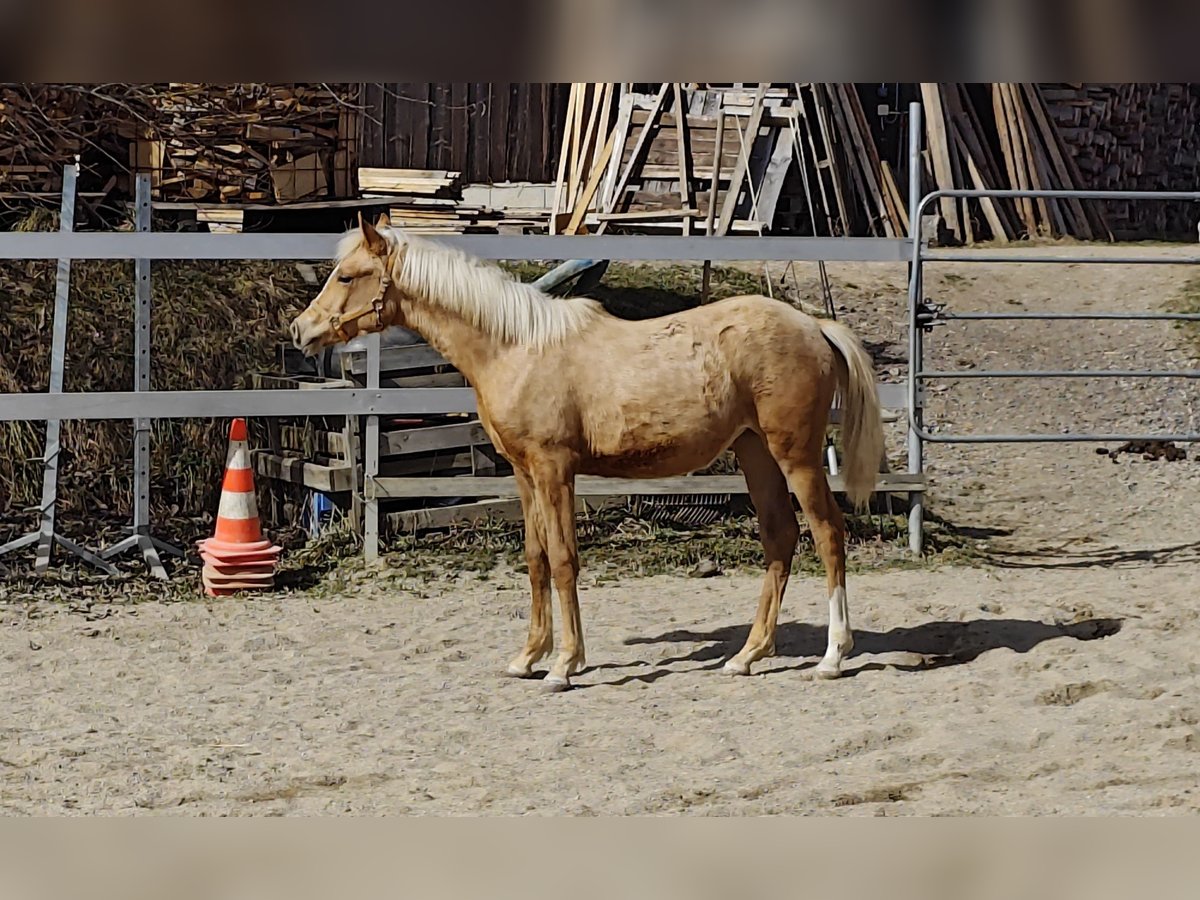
pixel 936 644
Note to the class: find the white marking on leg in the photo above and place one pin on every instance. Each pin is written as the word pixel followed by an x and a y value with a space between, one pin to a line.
pixel 841 641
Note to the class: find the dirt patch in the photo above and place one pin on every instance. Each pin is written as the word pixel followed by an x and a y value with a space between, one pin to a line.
pixel 1057 675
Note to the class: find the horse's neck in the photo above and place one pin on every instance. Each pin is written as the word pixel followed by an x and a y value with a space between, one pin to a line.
pixel 464 346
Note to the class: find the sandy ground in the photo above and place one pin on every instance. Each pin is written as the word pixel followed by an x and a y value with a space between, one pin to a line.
pixel 1058 677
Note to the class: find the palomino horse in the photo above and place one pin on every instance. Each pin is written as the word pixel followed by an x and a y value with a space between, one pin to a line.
pixel 564 389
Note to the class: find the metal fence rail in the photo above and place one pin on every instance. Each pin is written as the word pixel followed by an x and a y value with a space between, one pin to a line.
pixel 195 245
pixel 374 401
pixel 922 317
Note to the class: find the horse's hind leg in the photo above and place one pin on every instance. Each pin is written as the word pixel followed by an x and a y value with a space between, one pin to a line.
pixel 541 616
pixel 828 528
pixel 779 532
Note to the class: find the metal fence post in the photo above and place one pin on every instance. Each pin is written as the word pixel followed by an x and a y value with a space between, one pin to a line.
pixel 916 461
pixel 45 536
pixel 371 467
pixel 140 537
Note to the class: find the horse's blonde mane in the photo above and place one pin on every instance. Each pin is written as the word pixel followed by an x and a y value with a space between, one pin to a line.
pixel 483 294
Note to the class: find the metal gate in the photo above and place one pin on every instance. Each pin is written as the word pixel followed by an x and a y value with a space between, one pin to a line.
pixel 924 315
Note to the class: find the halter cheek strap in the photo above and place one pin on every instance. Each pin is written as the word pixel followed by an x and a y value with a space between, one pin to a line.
pixel 339 321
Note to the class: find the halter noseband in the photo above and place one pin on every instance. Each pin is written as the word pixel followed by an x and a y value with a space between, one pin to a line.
pixel 338 321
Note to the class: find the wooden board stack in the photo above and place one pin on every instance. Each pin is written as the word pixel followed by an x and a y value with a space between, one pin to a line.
pixel 425 201
pixel 959 154
pixel 1132 136
pixel 714 158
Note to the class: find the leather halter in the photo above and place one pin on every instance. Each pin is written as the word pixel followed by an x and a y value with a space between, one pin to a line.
pixel 338 321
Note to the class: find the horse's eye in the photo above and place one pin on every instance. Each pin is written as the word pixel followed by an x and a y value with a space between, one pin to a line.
pixel 344 279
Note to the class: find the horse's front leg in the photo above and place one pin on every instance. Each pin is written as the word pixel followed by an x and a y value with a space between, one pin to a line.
pixel 554 490
pixel 541 616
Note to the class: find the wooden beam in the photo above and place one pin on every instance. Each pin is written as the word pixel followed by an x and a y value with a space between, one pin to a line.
pixel 939 150
pixel 563 154
pixel 589 486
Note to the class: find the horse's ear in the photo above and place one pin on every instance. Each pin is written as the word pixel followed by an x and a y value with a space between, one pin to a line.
pixel 383 221
pixel 373 239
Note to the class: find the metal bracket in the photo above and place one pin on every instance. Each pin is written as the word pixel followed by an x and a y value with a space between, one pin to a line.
pixel 929 315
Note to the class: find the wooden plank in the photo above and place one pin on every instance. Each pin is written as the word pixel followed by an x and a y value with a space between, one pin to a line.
pixel 772 183
pixel 739 173
pixel 801 161
pixel 589 190
pixel 467 514
pixel 435 380
pixel 1039 174
pixel 643 215
pixel 440 134
pixel 498 126
pixel 621 128
pixel 935 133
pixel 1009 143
pixel 714 187
pixel 1027 169
pixel 563 156
pixel 574 138
pixel 397 125
pixel 537 128
pixel 581 152
pixel 864 144
pixel 995 223
pixel 394 359
pixel 603 125
pixel 370 144
pixel 1050 141
pixel 435 437
pixel 421 112
pixel 639 145
pixel 889 184
pixel 330 479
pixel 464 514
pixel 829 164
pixel 976 138
pixel 478 168
pixel 590 486
pixel 683 150
pixel 856 171
pixel 438 463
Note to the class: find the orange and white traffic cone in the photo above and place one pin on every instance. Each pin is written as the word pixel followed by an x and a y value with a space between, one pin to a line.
pixel 237 557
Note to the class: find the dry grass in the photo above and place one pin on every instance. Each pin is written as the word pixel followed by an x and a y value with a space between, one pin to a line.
pixel 213 322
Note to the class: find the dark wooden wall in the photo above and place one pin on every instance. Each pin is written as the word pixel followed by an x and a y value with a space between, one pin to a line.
pixel 489 132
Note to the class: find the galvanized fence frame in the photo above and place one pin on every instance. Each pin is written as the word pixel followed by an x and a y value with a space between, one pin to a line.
pixel 923 316
pixel 373 401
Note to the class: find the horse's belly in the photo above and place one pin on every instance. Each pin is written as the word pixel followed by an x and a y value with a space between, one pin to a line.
pixel 662 446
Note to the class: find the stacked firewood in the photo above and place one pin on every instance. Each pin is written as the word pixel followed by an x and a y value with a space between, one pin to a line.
pixel 44 127
pixel 200 142
pixel 247 142
pixel 1133 136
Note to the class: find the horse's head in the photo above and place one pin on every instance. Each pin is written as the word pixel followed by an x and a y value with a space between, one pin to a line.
pixel 358 296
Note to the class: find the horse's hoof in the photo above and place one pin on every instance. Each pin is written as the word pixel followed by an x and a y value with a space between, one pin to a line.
pixel 734 667
pixel 515 671
pixel 828 672
pixel 555 684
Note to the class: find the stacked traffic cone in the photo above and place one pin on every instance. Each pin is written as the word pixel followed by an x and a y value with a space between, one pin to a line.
pixel 237 557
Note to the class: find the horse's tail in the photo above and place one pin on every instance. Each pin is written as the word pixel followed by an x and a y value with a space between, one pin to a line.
pixel 862 421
